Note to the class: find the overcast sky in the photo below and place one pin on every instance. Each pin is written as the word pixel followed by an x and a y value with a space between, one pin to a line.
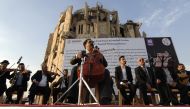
pixel 25 25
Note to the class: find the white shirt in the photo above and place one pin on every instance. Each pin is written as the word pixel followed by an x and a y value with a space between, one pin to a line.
pixel 43 81
pixel 169 78
pixel 63 84
pixel 124 73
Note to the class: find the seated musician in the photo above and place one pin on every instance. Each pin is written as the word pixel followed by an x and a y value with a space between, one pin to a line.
pixel 60 86
pixel 184 81
pixel 4 75
pixel 124 80
pixel 19 80
pixel 166 78
pixel 40 84
pixel 144 80
pixel 104 85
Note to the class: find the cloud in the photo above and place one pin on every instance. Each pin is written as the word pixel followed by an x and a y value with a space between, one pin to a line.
pixel 151 20
pixel 187 67
pixel 163 18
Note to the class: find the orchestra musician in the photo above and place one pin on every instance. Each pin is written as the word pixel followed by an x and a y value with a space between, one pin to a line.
pixel 4 74
pixel 40 84
pixel 90 52
pixel 19 81
pixel 61 85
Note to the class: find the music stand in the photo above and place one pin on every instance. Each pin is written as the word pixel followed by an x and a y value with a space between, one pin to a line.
pixel 81 80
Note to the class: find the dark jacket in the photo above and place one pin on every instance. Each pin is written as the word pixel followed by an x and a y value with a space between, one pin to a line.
pixel 119 75
pixel 161 75
pixel 4 75
pixel 141 77
pixel 25 79
pixel 38 77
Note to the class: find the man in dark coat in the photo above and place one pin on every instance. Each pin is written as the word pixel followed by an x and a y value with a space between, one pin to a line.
pixel 145 80
pixel 40 84
pixel 124 80
pixel 19 82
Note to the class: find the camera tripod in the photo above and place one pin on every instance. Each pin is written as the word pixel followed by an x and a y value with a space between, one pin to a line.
pixel 81 80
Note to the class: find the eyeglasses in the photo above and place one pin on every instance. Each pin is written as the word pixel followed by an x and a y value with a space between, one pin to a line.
pixel 141 60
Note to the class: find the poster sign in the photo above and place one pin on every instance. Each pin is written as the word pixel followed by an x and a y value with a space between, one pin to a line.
pixel 111 48
pixel 161 52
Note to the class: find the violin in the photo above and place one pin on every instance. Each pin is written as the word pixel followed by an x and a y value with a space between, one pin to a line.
pixel 7 70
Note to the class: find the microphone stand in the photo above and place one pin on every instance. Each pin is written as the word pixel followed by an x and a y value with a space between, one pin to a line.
pixel 81 80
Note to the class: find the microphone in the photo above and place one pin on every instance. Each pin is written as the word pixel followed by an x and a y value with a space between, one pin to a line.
pixel 83 53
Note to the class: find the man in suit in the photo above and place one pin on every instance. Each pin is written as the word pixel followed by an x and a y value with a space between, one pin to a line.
pixel 144 80
pixel 124 80
pixel 19 81
pixel 60 86
pixel 166 79
pixel 40 84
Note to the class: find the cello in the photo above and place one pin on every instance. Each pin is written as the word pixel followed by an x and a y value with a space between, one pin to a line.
pixel 93 68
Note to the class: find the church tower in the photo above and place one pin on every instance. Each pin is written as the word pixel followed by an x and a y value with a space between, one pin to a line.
pixel 94 22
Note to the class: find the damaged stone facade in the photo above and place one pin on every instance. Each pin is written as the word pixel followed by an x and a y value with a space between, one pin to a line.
pixel 94 22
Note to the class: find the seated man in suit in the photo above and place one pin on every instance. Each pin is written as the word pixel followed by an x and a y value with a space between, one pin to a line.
pixel 40 84
pixel 166 78
pixel 124 80
pixel 60 86
pixel 144 80
pixel 19 81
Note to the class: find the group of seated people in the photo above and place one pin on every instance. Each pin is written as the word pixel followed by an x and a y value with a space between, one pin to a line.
pixel 40 83
pixel 163 79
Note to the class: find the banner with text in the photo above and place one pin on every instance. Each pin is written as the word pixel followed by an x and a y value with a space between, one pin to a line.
pixel 111 48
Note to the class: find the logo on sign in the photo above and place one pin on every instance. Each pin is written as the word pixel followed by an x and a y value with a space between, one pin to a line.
pixel 166 41
pixel 150 42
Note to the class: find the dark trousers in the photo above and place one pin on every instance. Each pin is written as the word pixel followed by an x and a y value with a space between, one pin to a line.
pixel 105 89
pixel 73 93
pixel 143 90
pixel 2 89
pixel 10 90
pixel 45 91
pixel 166 95
pixel 55 93
pixel 183 90
pixel 128 98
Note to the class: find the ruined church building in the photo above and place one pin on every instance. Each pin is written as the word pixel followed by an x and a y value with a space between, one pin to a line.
pixel 94 22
